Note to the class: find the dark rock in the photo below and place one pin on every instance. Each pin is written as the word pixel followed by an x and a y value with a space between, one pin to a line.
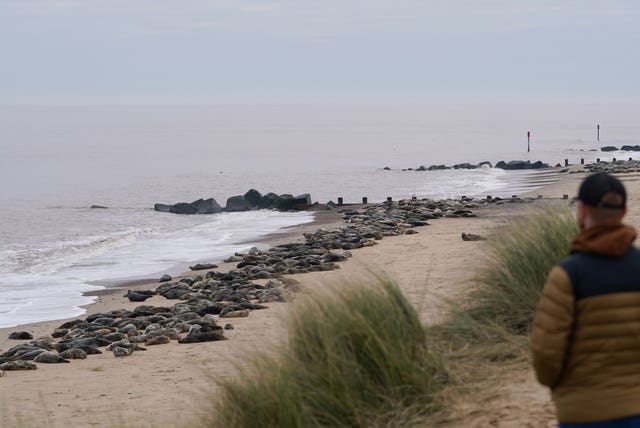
pixel 163 208
pixel 518 164
pixel 465 166
pixel 421 168
pixel 628 148
pixel 304 199
pixel 100 207
pixel 608 148
pixel 253 198
pixel 501 165
pixel 206 206
pixel 485 164
pixel 268 201
pixel 21 335
pixel 165 278
pixel 331 205
pixel 386 168
pixel 437 167
pixel 183 208
pixel 228 327
pixel 284 202
pixel 539 164
pixel 236 204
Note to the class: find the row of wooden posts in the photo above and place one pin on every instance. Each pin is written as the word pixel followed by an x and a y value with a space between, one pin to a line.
pixel 365 200
pixel 566 161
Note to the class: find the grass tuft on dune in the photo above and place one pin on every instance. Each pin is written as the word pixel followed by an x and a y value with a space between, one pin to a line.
pixel 356 356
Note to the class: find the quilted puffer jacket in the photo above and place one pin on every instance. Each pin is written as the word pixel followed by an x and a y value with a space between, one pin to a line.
pixel 585 338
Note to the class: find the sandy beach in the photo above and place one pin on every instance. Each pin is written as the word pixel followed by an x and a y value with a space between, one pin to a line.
pixel 168 385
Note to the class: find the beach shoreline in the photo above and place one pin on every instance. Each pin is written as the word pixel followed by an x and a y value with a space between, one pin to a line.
pixel 174 379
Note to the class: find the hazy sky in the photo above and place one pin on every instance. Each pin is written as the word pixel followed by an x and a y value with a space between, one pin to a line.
pixel 216 51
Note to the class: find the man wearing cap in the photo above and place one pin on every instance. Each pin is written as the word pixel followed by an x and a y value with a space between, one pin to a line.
pixel 585 337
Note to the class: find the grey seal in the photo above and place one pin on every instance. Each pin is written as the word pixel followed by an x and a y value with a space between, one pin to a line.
pixel 49 358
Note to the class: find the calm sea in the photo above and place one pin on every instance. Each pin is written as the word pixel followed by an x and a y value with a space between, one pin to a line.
pixel 56 162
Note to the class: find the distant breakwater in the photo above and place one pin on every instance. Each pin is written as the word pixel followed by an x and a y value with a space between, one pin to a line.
pixel 252 200
pixel 510 165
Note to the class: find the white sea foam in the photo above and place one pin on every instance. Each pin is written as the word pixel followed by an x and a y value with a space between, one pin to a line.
pixel 46 283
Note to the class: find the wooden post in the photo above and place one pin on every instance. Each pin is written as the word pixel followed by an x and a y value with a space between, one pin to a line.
pixel 582 161
pixel 565 196
pixel 598 160
pixel 414 198
pixel 528 141
pixel 614 159
pixel 340 201
pixel 598 132
pixel 364 200
pixel 566 162
pixel 389 199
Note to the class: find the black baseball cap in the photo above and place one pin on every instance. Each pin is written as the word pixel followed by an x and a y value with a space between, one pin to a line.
pixel 603 190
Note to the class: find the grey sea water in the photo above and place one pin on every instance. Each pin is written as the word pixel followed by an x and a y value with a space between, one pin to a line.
pixel 56 162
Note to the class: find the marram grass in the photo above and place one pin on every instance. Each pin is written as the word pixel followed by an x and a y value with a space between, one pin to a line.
pixel 519 260
pixel 356 357
pixel 510 281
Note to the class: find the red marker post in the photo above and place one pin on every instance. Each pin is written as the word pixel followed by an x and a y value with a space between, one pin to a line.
pixel 528 141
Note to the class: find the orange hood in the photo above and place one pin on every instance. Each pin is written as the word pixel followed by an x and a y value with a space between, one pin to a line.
pixel 606 240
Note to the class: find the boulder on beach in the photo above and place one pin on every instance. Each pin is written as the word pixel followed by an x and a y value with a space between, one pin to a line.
pixel 252 199
pixel 183 208
pixel 304 199
pixel 163 208
pixel 465 165
pixel 268 200
pixel 515 165
pixel 284 202
pixel 437 167
pixel 608 148
pixel 201 206
pixel 539 164
pixel 236 204
pixel 206 206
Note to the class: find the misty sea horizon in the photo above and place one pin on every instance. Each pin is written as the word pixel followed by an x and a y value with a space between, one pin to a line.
pixel 58 161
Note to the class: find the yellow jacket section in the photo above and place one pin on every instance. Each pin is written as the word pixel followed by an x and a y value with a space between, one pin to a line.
pixel 587 352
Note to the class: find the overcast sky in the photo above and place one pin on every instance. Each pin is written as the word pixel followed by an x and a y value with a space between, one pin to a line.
pixel 219 51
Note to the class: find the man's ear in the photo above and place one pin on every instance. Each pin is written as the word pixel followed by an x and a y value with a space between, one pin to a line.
pixel 580 214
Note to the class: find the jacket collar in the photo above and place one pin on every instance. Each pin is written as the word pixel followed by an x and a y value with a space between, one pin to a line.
pixel 606 240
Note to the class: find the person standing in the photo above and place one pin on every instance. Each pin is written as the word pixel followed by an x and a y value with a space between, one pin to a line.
pixel 585 336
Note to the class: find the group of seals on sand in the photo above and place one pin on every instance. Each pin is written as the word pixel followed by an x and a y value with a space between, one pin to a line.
pixel 258 278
